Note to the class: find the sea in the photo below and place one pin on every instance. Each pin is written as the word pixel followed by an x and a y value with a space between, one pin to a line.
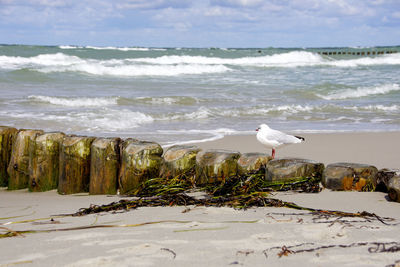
pixel 185 95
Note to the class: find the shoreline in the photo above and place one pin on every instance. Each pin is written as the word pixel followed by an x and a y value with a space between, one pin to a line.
pixel 380 149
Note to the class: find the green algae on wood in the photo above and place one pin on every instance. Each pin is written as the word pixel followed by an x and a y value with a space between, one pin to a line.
pixel 74 164
pixel 286 169
pixel 18 168
pixel 44 162
pixel 253 162
pixel 140 161
pixel 216 166
pixel 7 135
pixel 350 176
pixel 104 166
pixel 394 188
pixel 179 160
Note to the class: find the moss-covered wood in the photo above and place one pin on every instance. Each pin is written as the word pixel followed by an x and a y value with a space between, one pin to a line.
pixel 383 178
pixel 394 188
pixel 104 166
pixel 44 160
pixel 216 165
pixel 18 168
pixel 140 161
pixel 350 176
pixel 178 161
pixel 7 135
pixel 284 169
pixel 253 162
pixel 74 164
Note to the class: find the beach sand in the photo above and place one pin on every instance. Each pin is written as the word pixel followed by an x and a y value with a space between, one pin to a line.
pixel 381 149
pixel 209 236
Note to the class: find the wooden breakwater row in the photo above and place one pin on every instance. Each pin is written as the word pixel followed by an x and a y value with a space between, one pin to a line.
pixel 72 164
pixel 356 53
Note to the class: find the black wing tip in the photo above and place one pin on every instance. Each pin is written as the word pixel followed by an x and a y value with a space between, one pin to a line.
pixel 301 138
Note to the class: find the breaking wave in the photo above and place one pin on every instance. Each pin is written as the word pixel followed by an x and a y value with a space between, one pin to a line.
pixel 60 62
pixel 173 65
pixel 389 59
pixel 75 101
pixel 361 92
pixel 111 48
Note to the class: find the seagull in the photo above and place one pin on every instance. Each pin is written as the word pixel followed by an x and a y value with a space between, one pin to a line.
pixel 271 138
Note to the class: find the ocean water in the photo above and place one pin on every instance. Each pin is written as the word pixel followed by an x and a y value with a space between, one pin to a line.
pixel 181 95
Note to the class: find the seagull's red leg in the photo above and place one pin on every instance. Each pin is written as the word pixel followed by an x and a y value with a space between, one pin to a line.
pixel 273 153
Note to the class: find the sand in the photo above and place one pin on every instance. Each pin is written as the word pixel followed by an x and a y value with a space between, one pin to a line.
pixel 381 149
pixel 208 236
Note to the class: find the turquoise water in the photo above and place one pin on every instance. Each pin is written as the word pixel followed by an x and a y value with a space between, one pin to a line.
pixel 177 95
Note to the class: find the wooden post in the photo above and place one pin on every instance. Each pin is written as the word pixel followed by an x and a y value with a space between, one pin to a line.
pixel 44 160
pixel 179 160
pixel 74 165
pixel 7 135
pixel 18 168
pixel 104 166
pixel 140 160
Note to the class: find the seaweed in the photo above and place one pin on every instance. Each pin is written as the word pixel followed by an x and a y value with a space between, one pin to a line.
pixel 239 192
pixel 373 247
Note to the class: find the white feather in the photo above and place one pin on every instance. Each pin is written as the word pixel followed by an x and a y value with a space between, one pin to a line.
pixel 271 138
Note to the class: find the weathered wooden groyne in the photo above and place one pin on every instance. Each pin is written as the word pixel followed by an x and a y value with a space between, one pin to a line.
pixel 72 164
pixel 354 52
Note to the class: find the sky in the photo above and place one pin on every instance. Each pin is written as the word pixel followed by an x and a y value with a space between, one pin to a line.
pixel 201 23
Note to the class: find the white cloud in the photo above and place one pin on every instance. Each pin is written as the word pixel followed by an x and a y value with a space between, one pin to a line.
pixel 396 15
pixel 238 3
pixel 225 20
pixel 154 4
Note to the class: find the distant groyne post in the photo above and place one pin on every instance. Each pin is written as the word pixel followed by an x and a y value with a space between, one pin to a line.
pixel 355 51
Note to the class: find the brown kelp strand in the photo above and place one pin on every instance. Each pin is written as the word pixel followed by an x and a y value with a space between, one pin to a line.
pixel 249 183
pixel 333 216
pixel 182 199
pixel 6 232
pixel 395 264
pixel 235 185
pixel 240 192
pixel 373 247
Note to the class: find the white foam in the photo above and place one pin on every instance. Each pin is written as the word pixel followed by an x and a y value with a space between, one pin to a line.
pixel 69 47
pixel 115 120
pixel 213 134
pixel 288 109
pixel 76 101
pixel 112 48
pixel 389 59
pixel 382 108
pixel 97 119
pixel 96 68
pixel 290 59
pixel 361 92
pixel 168 100
pixel 43 60
pixel 201 113
pixel 176 64
pixel 60 62
pixel 118 48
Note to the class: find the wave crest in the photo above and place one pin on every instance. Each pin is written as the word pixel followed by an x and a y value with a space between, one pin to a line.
pixel 173 65
pixel 361 92
pixel 75 101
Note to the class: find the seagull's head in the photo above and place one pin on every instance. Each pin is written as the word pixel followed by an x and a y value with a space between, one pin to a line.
pixel 262 126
